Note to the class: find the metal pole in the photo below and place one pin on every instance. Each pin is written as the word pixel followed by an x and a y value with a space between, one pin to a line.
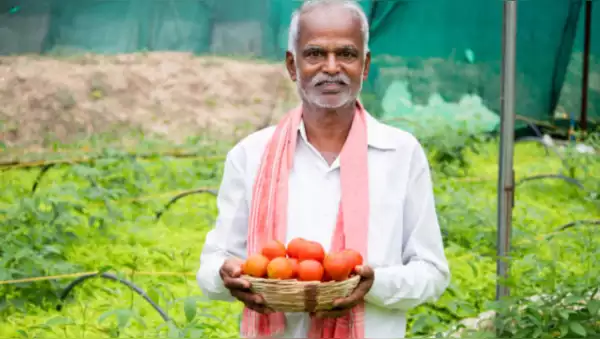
pixel 506 171
pixel 586 66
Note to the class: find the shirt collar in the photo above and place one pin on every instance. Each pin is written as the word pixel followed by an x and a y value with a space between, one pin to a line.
pixel 378 134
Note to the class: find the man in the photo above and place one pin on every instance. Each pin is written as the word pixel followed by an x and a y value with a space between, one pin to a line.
pixel 331 173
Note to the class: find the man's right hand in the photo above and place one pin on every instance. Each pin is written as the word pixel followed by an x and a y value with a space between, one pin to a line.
pixel 239 288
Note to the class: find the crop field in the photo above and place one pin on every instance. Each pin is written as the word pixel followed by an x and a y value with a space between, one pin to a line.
pixel 138 216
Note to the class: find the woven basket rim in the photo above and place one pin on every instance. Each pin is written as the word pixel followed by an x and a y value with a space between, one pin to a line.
pixel 292 295
pixel 252 279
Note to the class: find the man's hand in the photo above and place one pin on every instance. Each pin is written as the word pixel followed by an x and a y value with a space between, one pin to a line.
pixel 342 306
pixel 231 272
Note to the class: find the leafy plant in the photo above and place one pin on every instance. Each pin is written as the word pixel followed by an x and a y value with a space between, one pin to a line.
pixel 101 213
pixel 449 148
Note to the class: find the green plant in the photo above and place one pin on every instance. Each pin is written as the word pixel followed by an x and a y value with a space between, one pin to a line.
pixel 110 205
pixel 449 148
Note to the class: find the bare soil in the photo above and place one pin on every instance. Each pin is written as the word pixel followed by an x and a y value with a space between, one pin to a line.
pixel 174 95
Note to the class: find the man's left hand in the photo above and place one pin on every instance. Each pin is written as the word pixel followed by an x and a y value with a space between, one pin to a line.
pixel 342 306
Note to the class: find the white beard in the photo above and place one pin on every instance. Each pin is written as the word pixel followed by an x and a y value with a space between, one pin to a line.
pixel 344 99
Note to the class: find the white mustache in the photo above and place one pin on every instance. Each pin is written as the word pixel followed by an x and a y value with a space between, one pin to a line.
pixel 324 78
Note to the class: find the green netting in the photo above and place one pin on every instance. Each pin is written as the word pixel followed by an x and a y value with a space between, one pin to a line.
pixel 432 58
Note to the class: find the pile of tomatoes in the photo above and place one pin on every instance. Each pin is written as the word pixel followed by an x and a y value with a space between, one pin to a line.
pixel 303 260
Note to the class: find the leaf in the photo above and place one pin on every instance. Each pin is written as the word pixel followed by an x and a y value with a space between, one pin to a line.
pixel 594 307
pixel 209 316
pixel 419 324
pixel 131 265
pixel 195 333
pixel 173 330
pixel 473 267
pixel 153 295
pixel 104 316
pixel 123 317
pixel 189 307
pixel 113 332
pixel 24 252
pixel 564 330
pixel 564 314
pixel 23 333
pixel 52 249
pixel 57 321
pixel 573 299
pixel 535 320
pixel 453 306
pixel 578 328
pixel 104 269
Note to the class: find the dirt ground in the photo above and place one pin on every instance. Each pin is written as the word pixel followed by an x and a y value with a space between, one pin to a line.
pixel 174 95
pixel 179 95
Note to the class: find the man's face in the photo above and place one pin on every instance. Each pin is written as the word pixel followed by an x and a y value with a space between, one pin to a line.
pixel 330 63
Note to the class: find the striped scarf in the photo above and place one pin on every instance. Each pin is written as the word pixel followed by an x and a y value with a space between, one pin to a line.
pixel 268 218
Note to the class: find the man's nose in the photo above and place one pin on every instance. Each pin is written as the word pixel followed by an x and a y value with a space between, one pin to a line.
pixel 331 65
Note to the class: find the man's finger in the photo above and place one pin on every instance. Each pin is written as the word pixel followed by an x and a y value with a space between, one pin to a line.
pixel 356 296
pixel 366 272
pixel 248 297
pixel 232 267
pixel 348 302
pixel 236 283
pixel 231 270
pixel 235 271
pixel 253 301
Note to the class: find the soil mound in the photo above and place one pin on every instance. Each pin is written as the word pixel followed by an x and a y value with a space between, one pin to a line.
pixel 171 94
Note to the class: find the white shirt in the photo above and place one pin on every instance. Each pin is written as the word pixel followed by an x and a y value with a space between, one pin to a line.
pixel 405 245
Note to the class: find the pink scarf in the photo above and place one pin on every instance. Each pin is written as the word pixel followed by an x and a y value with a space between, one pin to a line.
pixel 268 217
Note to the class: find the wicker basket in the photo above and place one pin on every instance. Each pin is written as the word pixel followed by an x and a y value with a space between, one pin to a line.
pixel 301 296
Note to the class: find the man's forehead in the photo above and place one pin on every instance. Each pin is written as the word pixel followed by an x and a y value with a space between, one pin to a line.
pixel 332 21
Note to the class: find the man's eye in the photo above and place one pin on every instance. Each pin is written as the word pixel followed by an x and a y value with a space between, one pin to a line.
pixel 347 54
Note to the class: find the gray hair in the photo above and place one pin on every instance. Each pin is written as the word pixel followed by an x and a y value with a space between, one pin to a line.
pixel 311 4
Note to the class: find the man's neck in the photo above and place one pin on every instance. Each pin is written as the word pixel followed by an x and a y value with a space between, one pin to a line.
pixel 327 130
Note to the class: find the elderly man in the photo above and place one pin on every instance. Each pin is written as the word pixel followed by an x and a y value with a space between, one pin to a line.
pixel 331 173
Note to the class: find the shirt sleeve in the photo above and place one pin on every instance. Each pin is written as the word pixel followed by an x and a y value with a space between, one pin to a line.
pixel 424 274
pixel 228 237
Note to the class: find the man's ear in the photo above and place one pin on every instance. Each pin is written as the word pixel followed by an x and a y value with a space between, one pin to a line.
pixel 290 64
pixel 367 66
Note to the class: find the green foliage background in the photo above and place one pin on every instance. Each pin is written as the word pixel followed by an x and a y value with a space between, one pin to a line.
pixel 101 215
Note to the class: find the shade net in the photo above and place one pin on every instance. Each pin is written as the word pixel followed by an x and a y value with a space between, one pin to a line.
pixel 434 61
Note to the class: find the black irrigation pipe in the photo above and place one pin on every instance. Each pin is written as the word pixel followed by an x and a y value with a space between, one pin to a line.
pixel 551 176
pixel 573 224
pixel 39 177
pixel 47 166
pixel 182 195
pixel 113 277
pixel 578 222
pixel 17 164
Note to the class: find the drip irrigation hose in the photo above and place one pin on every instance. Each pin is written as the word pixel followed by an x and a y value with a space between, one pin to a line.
pixel 113 277
pixel 552 176
pixel 182 195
